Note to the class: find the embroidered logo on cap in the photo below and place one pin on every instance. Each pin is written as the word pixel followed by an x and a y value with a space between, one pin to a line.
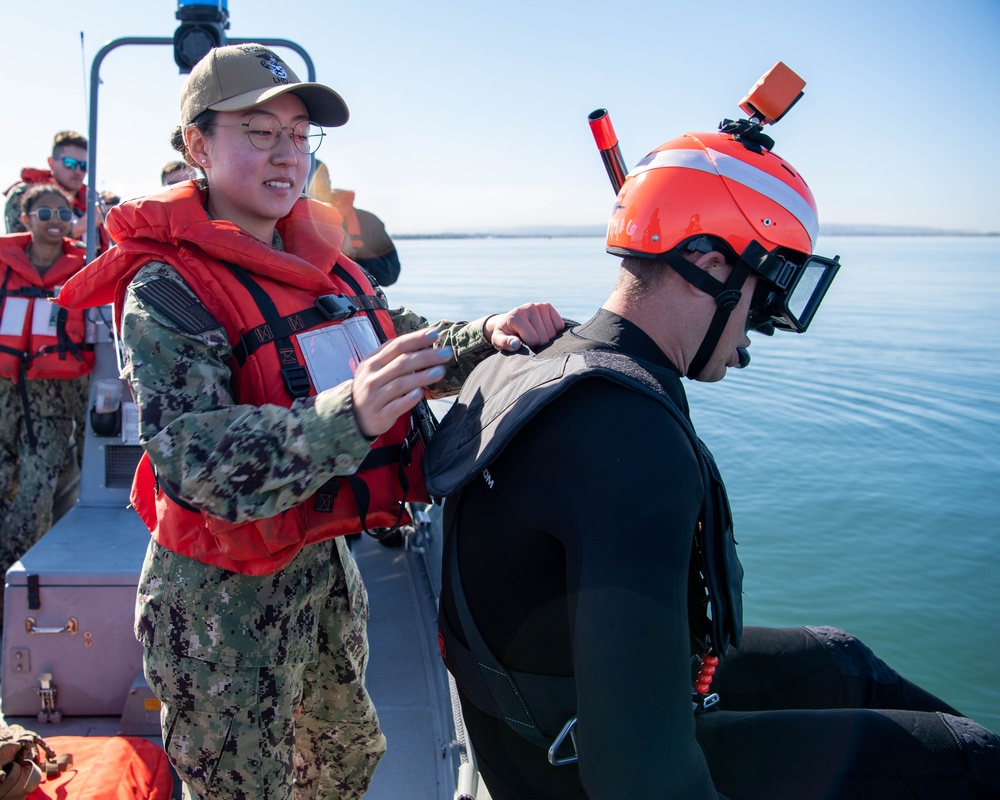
pixel 270 61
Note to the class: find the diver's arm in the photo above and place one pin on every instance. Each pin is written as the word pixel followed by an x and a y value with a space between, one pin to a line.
pixel 635 522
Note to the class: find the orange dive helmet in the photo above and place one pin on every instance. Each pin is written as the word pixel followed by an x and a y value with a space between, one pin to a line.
pixel 711 183
pixel 726 191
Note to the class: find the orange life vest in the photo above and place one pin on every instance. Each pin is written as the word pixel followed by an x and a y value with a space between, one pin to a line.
pixel 39 340
pixel 340 199
pixel 264 298
pixel 343 201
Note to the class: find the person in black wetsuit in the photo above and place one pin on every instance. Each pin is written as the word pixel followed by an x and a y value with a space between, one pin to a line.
pixel 589 558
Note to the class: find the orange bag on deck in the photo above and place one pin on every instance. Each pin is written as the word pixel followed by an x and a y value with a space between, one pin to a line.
pixel 108 768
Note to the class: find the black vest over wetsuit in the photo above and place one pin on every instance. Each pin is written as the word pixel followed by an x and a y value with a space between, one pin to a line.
pixel 575 546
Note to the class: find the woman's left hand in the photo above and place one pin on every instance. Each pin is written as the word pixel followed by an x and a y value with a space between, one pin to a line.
pixel 531 323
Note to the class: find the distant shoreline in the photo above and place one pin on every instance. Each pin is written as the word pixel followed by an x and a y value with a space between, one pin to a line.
pixel 601 233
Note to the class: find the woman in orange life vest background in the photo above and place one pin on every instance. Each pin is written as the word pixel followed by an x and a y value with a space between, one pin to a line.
pixel 44 367
pixel 275 392
pixel 366 240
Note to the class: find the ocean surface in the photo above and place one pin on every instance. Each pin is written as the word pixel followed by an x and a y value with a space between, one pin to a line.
pixel 862 458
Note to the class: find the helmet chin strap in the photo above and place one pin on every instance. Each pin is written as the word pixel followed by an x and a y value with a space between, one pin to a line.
pixel 727 296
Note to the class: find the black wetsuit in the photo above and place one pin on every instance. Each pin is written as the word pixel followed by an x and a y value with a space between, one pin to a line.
pixel 574 550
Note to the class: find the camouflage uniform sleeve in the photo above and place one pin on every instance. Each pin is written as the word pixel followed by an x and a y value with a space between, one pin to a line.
pixel 467 339
pixel 236 462
pixel 12 211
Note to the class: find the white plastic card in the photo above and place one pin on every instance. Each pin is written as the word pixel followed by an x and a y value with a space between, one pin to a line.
pixel 130 423
pixel 333 353
pixel 43 318
pixel 15 309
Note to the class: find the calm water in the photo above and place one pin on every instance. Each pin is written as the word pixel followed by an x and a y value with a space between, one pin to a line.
pixel 862 458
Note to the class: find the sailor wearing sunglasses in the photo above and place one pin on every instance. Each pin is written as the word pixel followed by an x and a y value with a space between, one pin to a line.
pixel 67 170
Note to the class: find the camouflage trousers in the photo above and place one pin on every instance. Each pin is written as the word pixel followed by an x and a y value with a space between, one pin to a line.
pixel 295 730
pixel 28 475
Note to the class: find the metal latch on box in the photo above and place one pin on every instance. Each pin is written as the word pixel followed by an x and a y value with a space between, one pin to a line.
pixel 47 693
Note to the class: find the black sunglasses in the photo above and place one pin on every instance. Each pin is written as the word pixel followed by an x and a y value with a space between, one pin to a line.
pixel 45 214
pixel 72 163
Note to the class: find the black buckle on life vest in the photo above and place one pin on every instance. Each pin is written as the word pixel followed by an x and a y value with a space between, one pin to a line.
pixel 557 760
pixel 336 307
pixel 325 496
pixel 406 452
pixel 704 702
pixel 296 380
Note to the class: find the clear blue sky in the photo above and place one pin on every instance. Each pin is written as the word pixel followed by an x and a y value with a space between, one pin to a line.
pixel 471 116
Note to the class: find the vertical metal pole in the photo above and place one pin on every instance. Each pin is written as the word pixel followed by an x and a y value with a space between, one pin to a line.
pixel 95 85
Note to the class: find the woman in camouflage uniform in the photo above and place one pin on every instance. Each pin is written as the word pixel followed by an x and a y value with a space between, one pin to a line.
pixel 44 368
pixel 251 615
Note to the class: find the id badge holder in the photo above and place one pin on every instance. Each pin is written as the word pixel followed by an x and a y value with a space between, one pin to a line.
pixel 43 317
pixel 15 310
pixel 332 354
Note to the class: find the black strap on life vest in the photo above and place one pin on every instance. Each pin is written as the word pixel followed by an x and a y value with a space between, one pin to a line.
pixel 285 327
pixel 21 356
pixel 422 416
pixel 3 286
pixel 422 421
pixel 279 330
pixel 534 705
pixel 369 310
pixel 293 372
pixel 399 454
pixel 64 345
pixel 22 386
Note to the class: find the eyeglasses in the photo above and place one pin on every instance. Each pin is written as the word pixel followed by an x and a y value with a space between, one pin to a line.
pixel 72 163
pixel 264 131
pixel 45 214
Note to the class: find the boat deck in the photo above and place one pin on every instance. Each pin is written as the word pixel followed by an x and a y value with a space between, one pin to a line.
pixel 406 677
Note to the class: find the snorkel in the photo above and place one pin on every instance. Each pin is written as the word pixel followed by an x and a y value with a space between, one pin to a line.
pixel 607 144
pixel 729 190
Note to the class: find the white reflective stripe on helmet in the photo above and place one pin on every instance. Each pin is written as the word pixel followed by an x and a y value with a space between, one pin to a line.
pixel 739 172
pixel 691 159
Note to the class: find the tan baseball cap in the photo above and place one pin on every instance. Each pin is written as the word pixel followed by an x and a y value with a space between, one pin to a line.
pixel 241 76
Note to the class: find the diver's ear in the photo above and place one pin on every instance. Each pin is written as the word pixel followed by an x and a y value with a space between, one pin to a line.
pixel 712 262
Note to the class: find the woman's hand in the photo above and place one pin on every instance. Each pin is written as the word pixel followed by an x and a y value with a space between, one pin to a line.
pixel 391 381
pixel 531 323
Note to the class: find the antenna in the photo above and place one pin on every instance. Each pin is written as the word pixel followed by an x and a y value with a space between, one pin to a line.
pixel 83 74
